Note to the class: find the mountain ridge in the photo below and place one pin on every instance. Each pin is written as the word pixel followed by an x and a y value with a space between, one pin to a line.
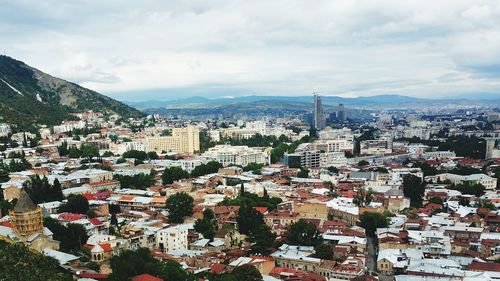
pixel 30 96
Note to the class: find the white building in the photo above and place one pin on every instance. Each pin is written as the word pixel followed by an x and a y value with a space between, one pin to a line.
pixel 237 155
pixel 487 181
pixel 173 238
pixel 68 126
pixel 4 129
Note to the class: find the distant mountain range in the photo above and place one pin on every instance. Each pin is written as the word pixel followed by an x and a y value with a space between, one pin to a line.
pixel 371 102
pixel 29 96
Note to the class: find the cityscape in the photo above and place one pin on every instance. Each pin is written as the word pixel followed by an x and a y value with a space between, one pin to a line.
pixel 226 169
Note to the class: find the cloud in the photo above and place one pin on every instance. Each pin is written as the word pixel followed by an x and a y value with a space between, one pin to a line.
pixel 345 47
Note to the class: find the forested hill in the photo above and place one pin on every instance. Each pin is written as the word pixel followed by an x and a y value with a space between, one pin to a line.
pixel 29 96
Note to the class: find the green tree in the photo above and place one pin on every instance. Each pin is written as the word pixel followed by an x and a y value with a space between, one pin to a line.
pixel 172 174
pixel 413 188
pixel 206 226
pixel 72 236
pixel 247 273
pixel 89 151
pixel 75 204
pixel 436 200
pixel 17 262
pixel 303 233
pixel 263 239
pixel 303 173
pixel 248 219
pixel 205 169
pixel 323 251
pixel 131 263
pixel 364 197
pixel 370 221
pixel 179 205
pixel 363 163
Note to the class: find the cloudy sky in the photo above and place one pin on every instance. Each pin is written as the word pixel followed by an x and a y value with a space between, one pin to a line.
pixel 172 49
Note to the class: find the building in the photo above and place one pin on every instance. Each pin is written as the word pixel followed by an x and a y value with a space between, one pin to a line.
pixel 26 217
pixel 318 114
pixel 341 114
pixel 237 155
pixel 183 140
pixel 4 129
pixel 488 182
pixel 490 146
pixel 172 238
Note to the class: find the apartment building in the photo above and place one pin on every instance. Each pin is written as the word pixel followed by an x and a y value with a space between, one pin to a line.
pixel 183 140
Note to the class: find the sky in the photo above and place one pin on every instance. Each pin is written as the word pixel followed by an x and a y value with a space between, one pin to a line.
pixel 138 50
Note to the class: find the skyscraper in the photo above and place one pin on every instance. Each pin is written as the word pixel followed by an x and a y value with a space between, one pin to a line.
pixel 341 116
pixel 318 114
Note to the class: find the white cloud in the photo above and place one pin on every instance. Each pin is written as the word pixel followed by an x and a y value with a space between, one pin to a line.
pixel 346 47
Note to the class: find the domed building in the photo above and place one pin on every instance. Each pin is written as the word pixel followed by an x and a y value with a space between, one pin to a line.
pixel 26 217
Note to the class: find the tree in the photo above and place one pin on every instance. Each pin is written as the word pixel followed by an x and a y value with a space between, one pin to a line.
pixel 131 263
pixel 179 205
pixel 89 151
pixel 303 233
pixel 136 154
pixel 172 174
pixel 364 197
pixel 138 181
pixel 427 169
pixel 470 188
pixel 205 169
pixel 114 220
pixel 363 163
pixel 303 173
pixel 323 251
pixel 206 226
pixel 76 204
pixel 370 221
pixel 413 188
pixel 333 169
pixel 436 200
pixel 4 175
pixel 40 190
pixel 247 273
pixel 248 219
pixel 263 239
pixel 18 262
pixel 71 236
pixel 152 155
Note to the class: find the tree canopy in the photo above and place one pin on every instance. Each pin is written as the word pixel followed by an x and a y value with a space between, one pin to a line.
pixel 303 233
pixel 17 262
pixel 413 188
pixel 179 205
pixel 172 174
pixel 370 221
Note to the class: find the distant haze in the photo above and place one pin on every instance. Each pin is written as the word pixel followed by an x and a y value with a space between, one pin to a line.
pixel 143 50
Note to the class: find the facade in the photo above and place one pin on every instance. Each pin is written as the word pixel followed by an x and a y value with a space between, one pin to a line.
pixel 4 129
pixel 488 182
pixel 237 155
pixel 183 140
pixel 172 238
pixel 341 114
pixel 26 217
pixel 318 114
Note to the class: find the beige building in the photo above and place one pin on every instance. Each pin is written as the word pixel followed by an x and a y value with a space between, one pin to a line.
pixel 184 140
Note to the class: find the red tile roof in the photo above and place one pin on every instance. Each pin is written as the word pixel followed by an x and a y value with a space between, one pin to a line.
pixel 70 216
pixel 484 266
pixel 146 277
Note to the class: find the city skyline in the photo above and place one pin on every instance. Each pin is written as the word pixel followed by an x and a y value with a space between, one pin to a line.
pixel 227 49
